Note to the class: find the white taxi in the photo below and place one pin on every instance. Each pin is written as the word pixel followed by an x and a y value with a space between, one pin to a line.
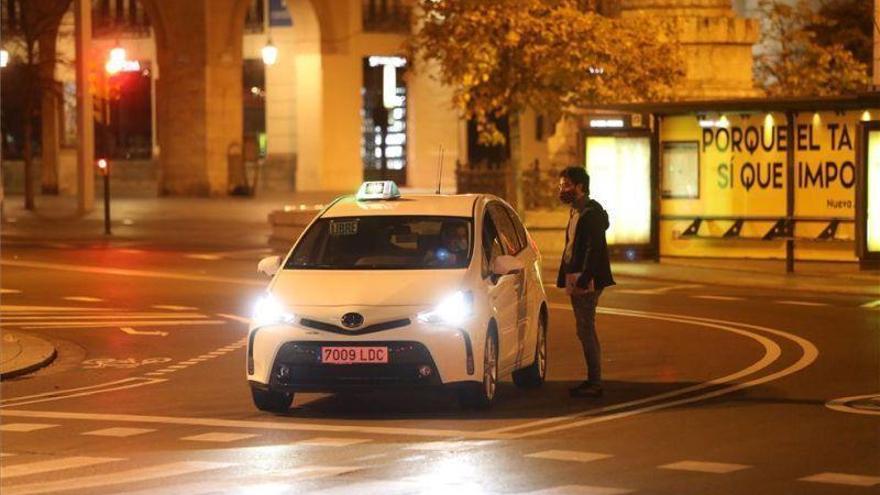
pixel 383 290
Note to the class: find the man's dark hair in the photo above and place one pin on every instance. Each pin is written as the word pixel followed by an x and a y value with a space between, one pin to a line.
pixel 577 175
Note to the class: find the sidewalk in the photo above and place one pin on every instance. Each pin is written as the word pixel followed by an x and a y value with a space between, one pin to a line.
pixel 21 354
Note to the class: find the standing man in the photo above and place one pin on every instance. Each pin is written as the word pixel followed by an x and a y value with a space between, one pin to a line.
pixel 585 269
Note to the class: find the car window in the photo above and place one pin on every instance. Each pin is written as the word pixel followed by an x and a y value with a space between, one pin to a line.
pixel 492 247
pixel 506 230
pixel 517 224
pixel 384 243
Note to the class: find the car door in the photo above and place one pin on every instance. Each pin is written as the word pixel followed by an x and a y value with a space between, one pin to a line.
pixel 502 294
pixel 527 311
pixel 512 246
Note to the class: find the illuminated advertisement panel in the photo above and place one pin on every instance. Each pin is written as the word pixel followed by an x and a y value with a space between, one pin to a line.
pixel 872 231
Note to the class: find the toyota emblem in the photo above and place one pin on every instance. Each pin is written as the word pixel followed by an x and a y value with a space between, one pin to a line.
pixel 352 320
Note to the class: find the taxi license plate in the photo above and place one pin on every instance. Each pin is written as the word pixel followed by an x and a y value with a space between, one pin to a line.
pixel 354 355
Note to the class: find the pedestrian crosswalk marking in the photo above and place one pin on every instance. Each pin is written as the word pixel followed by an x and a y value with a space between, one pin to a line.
pixel 872 304
pixel 219 437
pixel 843 479
pixel 568 455
pixel 10 291
pixel 173 307
pixel 25 427
pixel 719 298
pixel 119 432
pixel 82 299
pixel 579 490
pixel 117 478
pixel 333 442
pixel 449 446
pixel 705 467
pixel 51 465
pixel 802 303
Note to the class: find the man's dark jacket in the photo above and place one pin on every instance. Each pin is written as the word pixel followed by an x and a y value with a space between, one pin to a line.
pixel 589 255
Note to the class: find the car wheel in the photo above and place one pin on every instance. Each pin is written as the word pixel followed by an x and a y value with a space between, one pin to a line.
pixel 533 376
pixel 482 395
pixel 271 401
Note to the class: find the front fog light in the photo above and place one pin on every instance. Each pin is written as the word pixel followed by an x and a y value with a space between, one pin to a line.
pixel 269 311
pixel 454 310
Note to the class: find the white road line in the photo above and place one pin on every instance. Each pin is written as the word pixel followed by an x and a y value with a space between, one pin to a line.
pixel 871 305
pixel 801 303
pixel 178 367
pixel 173 307
pixel 333 442
pixel 579 490
pixel 25 427
pixel 720 298
pixel 772 353
pixel 38 467
pixel 312 472
pixel 6 454
pixel 234 317
pixel 119 432
pixel 9 291
pixel 256 425
pixel 130 273
pixel 140 323
pixel 843 404
pixel 57 392
pixel 82 299
pixel 568 455
pixel 13 308
pixel 843 479
pixel 132 331
pixel 135 316
pixel 208 257
pixel 219 437
pixel 60 394
pixel 117 478
pixel 658 290
pixel 449 446
pixel 705 467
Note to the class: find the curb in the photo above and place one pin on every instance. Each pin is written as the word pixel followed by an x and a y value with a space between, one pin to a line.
pixel 38 353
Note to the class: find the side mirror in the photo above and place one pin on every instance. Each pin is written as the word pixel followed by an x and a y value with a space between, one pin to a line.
pixel 269 265
pixel 505 265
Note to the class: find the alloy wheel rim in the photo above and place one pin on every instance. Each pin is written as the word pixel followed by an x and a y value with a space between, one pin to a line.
pixel 490 373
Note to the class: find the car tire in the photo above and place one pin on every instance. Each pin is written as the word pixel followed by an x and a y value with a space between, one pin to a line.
pixel 271 401
pixel 533 376
pixel 482 395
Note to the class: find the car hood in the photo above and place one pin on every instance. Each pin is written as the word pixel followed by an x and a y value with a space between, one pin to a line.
pixel 357 288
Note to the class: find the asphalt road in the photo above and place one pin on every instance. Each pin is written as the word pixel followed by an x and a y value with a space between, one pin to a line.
pixel 709 390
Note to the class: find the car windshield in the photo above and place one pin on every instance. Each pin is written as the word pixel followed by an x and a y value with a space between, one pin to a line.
pixel 384 243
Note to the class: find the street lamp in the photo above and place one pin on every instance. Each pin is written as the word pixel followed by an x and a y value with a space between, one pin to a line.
pixel 4 58
pixel 116 62
pixel 269 53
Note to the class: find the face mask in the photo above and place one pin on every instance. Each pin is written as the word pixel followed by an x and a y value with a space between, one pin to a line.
pixel 567 196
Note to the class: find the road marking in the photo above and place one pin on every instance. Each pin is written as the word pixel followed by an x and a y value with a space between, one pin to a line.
pixel 579 490
pixel 658 290
pixel 312 472
pixel 844 404
pixel 801 303
pixel 119 432
pixel 234 317
pixel 568 455
pixel 208 257
pixel 13 308
pixel 333 442
pixel 135 316
pixel 132 331
pixel 38 467
pixel 871 305
pixel 219 437
pixel 843 479
pixel 719 298
pixel 130 273
pixel 10 291
pixel 82 299
pixel 64 394
pixel 705 467
pixel 173 307
pixel 105 324
pixel 772 353
pixel 107 479
pixel 449 446
pixel 25 427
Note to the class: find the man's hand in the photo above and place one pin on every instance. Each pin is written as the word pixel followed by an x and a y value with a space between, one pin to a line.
pixel 571 287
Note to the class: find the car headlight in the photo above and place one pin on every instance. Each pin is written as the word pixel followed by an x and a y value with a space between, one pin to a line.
pixel 269 311
pixel 453 310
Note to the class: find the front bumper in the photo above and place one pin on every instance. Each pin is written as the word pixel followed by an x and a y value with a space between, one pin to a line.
pixel 288 357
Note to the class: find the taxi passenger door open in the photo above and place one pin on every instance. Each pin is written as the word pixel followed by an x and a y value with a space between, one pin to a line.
pixel 502 292
pixel 511 246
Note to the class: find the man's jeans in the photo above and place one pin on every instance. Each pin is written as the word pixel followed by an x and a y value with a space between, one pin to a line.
pixel 584 306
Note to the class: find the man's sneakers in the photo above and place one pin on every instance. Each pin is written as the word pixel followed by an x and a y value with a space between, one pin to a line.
pixel 586 389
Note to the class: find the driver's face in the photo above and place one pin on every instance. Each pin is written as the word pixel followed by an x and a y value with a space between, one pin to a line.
pixel 457 239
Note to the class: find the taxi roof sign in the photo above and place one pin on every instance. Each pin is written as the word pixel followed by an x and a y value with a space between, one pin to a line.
pixel 380 189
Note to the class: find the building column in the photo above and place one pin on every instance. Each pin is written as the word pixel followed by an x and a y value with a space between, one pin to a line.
pixel 85 121
pixel 49 115
pixel 199 95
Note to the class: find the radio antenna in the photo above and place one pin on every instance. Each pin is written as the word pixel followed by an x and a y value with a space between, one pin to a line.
pixel 440 173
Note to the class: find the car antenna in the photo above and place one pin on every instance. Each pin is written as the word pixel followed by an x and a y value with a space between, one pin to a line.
pixel 440 172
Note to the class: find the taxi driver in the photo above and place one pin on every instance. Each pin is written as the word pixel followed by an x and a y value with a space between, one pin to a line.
pixel 453 249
